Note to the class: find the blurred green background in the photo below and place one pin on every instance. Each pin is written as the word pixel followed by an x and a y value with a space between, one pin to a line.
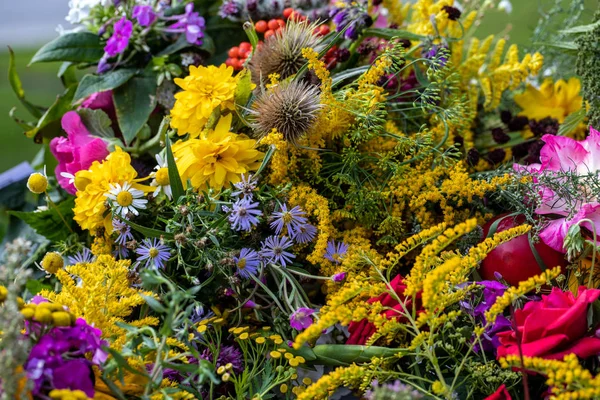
pixel 42 85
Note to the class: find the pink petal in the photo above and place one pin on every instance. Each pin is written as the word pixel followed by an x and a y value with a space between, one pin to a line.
pixel 76 131
pixel 555 232
pixel 592 145
pixel 562 153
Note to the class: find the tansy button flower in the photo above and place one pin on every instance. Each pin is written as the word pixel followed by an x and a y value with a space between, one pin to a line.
pixel 204 89
pixel 217 158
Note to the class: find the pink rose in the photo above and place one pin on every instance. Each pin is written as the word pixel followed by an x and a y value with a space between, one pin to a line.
pixel 75 152
pixel 553 327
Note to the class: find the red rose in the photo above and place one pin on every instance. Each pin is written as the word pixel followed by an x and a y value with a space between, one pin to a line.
pixel 553 327
pixel 362 330
pixel 500 394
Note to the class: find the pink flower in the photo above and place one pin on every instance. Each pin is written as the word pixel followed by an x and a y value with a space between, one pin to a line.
pixel 301 318
pixel 563 154
pixel 75 152
pixel 101 101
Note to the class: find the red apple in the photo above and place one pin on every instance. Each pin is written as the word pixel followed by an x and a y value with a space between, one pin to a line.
pixel 514 259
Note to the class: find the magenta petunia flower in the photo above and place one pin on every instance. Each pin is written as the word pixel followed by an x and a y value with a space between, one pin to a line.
pixel 563 154
pixel 119 40
pixel 301 318
pixel 75 152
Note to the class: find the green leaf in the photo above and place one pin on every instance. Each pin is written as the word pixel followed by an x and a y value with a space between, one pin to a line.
pixel 148 232
pixel 49 223
pixel 76 47
pixel 350 73
pixel 17 87
pixel 341 354
pixel 387 33
pixel 265 160
pixel 208 45
pixel 180 44
pixel 571 122
pixel 97 122
pixel 91 83
pixel 154 304
pixel 135 101
pixel 34 286
pixel 67 75
pixel 174 178
pixel 243 90
pixel 581 28
pixel 252 35
pixel 559 45
pixel 49 124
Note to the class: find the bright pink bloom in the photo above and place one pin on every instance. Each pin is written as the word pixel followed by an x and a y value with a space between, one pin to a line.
pixel 101 101
pixel 563 154
pixel 301 318
pixel 77 151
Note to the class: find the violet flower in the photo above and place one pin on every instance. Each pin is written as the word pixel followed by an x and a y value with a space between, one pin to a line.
pixel 82 257
pixel 123 230
pixel 244 215
pixel 119 40
pixel 339 277
pixel 274 250
pixel 190 23
pixel 247 263
pixel 227 355
pixel 301 318
pixel 144 14
pixel 154 252
pixel 335 251
pixel 289 219
pixel 304 233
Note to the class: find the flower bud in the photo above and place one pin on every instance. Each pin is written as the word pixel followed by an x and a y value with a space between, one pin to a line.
pixel 37 183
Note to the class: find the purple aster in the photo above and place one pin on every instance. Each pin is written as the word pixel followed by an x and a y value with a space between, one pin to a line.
pixel 121 252
pixel 247 262
pixel 123 230
pixel 229 8
pixel 227 354
pixel 351 18
pixel 274 250
pixel 335 251
pixel 154 252
pixel 245 187
pixel 103 64
pixel 190 23
pixel 144 14
pixel 289 219
pixel 304 233
pixel 339 277
pixel 301 318
pixel 119 40
pixel 82 257
pixel 243 215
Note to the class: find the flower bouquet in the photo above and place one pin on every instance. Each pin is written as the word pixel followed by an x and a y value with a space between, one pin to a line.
pixel 248 199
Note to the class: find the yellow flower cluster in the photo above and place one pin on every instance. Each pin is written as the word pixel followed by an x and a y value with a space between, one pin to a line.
pixel 217 158
pixel 567 379
pixel 93 184
pixel 353 376
pixel 67 394
pixel 317 206
pixel 397 12
pixel 280 161
pixel 48 313
pixel 100 293
pixel 428 17
pixel 204 89
pixel 553 99
pixel 513 293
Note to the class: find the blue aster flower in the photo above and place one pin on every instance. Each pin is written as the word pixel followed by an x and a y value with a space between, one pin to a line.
pixel 247 262
pixel 273 250
pixel 84 256
pixel 304 233
pixel 123 230
pixel 243 215
pixel 154 252
pixel 289 219
pixel 335 251
pixel 245 187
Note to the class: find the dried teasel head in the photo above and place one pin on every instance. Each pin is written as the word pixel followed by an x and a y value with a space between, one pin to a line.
pixel 290 107
pixel 282 52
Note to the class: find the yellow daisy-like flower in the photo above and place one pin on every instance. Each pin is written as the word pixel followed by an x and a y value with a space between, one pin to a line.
pixel 90 205
pixel 204 89
pixel 553 99
pixel 217 158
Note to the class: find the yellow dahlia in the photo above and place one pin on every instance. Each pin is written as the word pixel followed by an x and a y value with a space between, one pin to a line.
pixel 204 89
pixel 553 99
pixel 218 157
pixel 93 185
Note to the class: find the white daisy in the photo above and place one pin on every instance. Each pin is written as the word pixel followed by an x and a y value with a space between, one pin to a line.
pixel 161 178
pixel 126 199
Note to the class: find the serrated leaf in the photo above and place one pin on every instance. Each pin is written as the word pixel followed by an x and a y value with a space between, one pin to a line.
pixel 571 122
pixel 17 86
pixel 75 47
pixel 174 178
pixel 91 83
pixel 134 102
pixel 244 88
pixel 97 122
pixel 49 223
pixel 49 124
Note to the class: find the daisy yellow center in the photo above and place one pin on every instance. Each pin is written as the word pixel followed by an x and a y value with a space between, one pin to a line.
pixel 241 264
pixel 162 177
pixel 125 199
pixel 153 252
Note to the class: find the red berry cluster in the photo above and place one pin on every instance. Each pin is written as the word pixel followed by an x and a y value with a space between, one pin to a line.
pixel 238 55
